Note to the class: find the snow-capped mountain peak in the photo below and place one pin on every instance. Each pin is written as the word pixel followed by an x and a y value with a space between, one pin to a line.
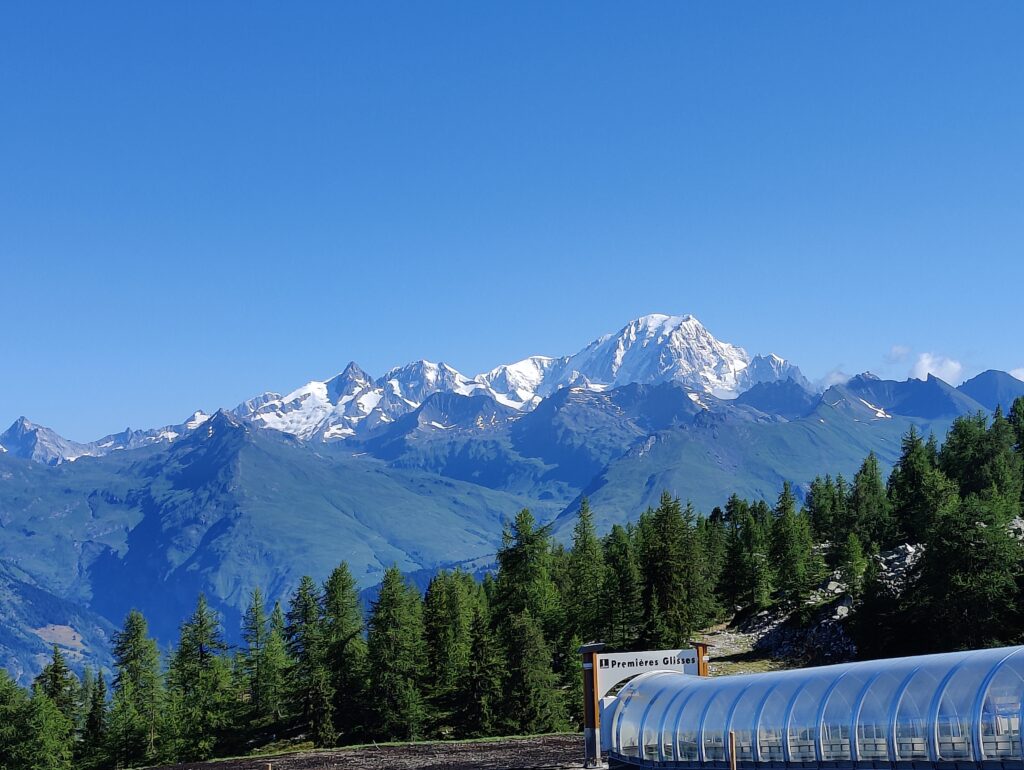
pixel 662 348
pixel 651 349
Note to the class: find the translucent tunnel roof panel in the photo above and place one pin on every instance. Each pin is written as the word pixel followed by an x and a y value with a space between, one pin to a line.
pixel 962 707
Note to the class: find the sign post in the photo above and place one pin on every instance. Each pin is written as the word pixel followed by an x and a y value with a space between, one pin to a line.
pixel 602 671
pixel 591 712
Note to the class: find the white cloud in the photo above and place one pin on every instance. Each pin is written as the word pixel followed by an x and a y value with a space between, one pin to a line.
pixel 1018 373
pixel 897 354
pixel 834 377
pixel 942 367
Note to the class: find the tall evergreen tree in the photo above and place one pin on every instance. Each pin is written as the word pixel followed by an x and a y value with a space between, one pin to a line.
pixel 621 593
pixel 1017 423
pixel 734 584
pixel 791 549
pixel 346 652
pixel 479 700
pixel 94 734
pixel 59 684
pixel 396 657
pixel 869 506
pixel 853 564
pixel 447 618
pixel 126 736
pixel 307 644
pixel 966 596
pixel 911 506
pixel 277 665
pixel 199 680
pixel 14 713
pixel 663 538
pixel 532 704
pixel 48 738
pixel 586 578
pixel 524 582
pixel 756 543
pixel 137 679
pixel 255 629
pixel 982 460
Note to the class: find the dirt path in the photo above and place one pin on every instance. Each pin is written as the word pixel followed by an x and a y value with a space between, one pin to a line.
pixel 553 752
pixel 732 652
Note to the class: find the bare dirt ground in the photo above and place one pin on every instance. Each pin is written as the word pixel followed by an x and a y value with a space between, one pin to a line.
pixel 732 652
pixel 551 752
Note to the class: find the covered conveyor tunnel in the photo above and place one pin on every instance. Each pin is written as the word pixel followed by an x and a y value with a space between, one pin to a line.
pixel 952 710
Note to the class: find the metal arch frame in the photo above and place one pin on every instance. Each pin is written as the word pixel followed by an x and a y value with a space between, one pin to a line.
pixel 818 751
pixel 647 711
pixel 757 719
pixel 679 719
pixel 894 712
pixel 979 705
pixel 700 727
pixel 858 705
pixel 664 718
pixel 730 716
pixel 621 707
pixel 787 752
pixel 936 704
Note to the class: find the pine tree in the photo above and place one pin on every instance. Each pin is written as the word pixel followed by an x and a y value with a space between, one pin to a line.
pixel 822 507
pixel 84 698
pixel 1017 423
pixel 126 729
pixel 346 652
pixel 94 733
pixel 307 644
pixel 713 542
pixel 735 582
pixel 570 682
pixel 480 692
pixel 48 739
pixel 869 506
pixel 703 559
pixel 447 618
pixel 982 460
pixel 524 582
pixel 532 704
pixel 906 488
pixel 759 571
pixel 199 683
pixel 137 674
pixel 586 578
pixel 14 714
pixel 853 564
pixel 789 551
pixel 59 684
pixel 966 596
pixel 664 539
pixel 621 593
pixel 276 668
pixel 396 657
pixel 255 630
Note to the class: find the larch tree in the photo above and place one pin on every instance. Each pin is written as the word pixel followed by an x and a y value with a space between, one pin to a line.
pixel 397 660
pixel 346 652
pixel 139 688
pixel 307 644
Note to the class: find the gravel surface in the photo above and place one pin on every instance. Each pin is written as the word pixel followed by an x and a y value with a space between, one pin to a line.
pixel 554 752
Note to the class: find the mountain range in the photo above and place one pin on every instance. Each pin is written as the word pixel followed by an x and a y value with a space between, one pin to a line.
pixel 419 467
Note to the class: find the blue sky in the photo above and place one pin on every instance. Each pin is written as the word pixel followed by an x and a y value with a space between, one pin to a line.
pixel 203 201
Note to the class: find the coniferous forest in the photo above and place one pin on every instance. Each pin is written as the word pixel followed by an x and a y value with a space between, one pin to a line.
pixel 498 656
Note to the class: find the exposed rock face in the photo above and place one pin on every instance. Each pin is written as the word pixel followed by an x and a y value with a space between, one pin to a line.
pixel 822 637
pixel 896 567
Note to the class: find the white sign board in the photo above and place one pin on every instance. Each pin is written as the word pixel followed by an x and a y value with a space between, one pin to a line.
pixel 614 667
